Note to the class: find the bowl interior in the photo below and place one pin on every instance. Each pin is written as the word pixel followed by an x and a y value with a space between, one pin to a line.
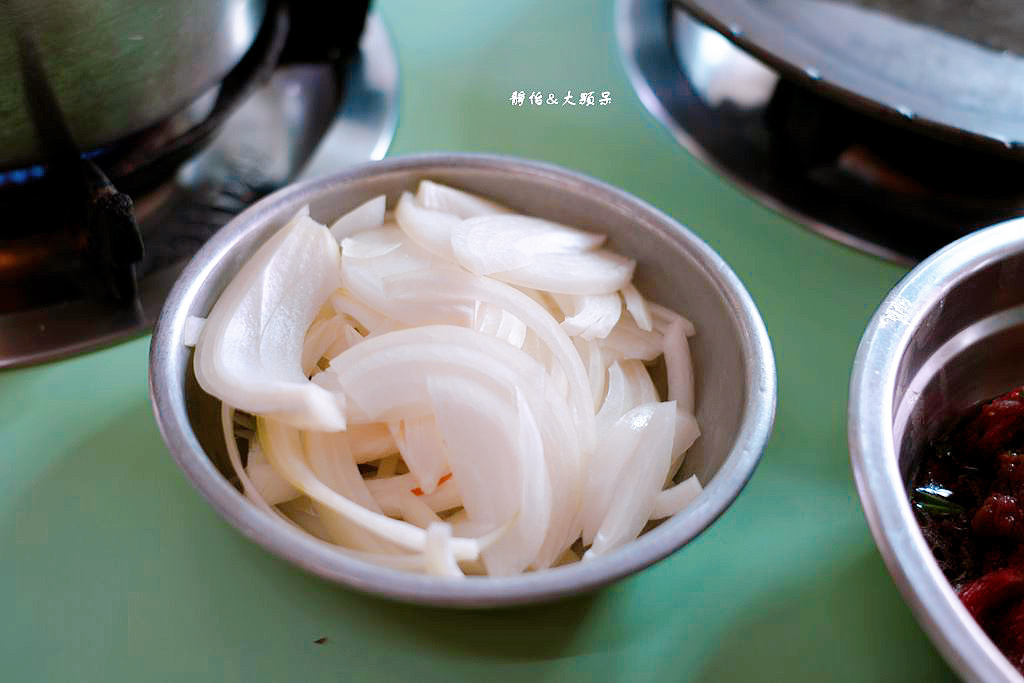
pixel 733 365
pixel 968 347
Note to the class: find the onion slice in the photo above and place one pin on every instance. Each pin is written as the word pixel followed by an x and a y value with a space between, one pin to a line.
pixel 250 352
pixel 274 489
pixel 363 217
pixel 430 229
pixel 637 307
pixel 497 456
pixel 672 500
pixel 594 316
pixel 422 449
pixel 193 330
pixel 284 451
pixel 498 243
pixel 592 272
pixel 679 367
pixel 439 555
pixel 440 197
pixel 641 476
pixel 430 288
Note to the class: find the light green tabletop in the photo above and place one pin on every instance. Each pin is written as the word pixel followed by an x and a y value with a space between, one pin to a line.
pixel 114 569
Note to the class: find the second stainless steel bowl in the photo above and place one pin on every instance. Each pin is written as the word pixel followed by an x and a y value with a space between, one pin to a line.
pixel 949 335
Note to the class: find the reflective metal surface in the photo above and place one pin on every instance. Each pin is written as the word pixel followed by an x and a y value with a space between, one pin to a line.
pixel 115 67
pixel 844 174
pixel 302 122
pixel 948 336
pixel 914 74
pixel 733 363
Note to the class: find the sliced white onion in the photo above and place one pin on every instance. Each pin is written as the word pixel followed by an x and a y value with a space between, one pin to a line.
pixel 430 288
pixel 617 400
pixel 591 272
pixel 370 441
pixel 672 500
pixel 372 243
pixel 440 197
pixel 637 307
pixel 387 467
pixel 663 317
pixel 679 367
pixel 330 457
pixel 283 447
pixel 439 555
pixel 250 352
pixel 641 386
pixel 593 316
pixel 192 330
pixel 249 490
pixel 422 449
pixel 359 313
pixel 511 329
pixel 363 217
pixel 486 318
pixel 271 486
pixel 640 479
pixel 687 432
pixel 365 280
pixel 629 385
pixel 608 462
pixel 500 243
pixel 596 369
pixel 480 414
pixel 389 492
pixel 385 377
pixel 301 514
pixel 497 456
pixel 430 229
pixel 495 321
pixel 320 337
pixel 627 341
pixel 415 511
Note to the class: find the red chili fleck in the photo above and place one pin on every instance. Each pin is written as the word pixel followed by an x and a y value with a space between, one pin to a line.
pixel 419 492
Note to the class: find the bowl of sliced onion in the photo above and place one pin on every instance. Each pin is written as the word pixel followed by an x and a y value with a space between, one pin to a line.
pixel 463 380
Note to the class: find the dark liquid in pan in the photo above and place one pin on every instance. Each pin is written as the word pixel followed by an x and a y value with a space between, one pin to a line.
pixel 997 24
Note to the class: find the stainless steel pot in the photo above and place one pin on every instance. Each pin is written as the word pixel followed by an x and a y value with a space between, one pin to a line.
pixel 115 67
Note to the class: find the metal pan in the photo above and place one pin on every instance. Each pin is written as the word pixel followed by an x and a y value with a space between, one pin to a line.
pixel 908 73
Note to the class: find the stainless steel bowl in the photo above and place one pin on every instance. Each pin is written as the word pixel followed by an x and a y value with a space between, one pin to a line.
pixel 948 336
pixel 734 366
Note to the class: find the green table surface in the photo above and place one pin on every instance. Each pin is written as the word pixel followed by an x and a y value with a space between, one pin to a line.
pixel 114 569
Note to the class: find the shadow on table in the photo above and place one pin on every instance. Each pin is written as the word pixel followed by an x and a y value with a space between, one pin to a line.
pixel 111 534
pixel 520 633
pixel 849 623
